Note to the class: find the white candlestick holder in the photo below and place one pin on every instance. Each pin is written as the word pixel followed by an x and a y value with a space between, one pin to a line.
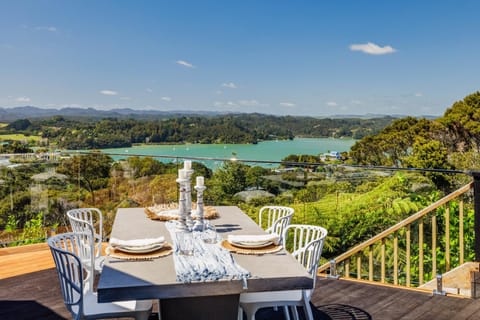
pixel 188 198
pixel 182 205
pixel 199 222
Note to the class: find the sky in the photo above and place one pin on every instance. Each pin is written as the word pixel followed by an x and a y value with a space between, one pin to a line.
pixel 312 58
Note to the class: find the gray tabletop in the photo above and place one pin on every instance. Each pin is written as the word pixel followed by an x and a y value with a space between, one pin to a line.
pixel 127 280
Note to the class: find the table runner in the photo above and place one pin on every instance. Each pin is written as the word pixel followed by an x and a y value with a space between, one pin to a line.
pixel 209 262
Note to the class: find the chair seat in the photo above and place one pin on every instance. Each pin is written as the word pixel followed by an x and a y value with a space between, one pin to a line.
pixel 306 248
pixel 76 282
pixel 93 309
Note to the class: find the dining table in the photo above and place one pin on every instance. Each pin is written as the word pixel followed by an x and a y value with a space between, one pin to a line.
pixel 122 279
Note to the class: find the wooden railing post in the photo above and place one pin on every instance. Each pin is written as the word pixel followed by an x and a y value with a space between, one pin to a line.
pixel 476 202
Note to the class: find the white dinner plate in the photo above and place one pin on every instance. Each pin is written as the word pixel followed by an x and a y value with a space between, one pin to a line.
pixel 251 245
pixel 140 249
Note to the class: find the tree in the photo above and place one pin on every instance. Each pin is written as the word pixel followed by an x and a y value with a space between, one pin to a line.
pixel 146 166
pixel 90 171
pixel 254 176
pixel 227 180
pixel 15 147
pixel 164 188
pixel 395 142
pixel 463 123
pixel 201 170
pixel 430 155
pixel 20 124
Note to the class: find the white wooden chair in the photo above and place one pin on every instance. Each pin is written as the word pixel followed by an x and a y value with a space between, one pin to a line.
pixel 274 219
pixel 79 299
pixel 89 220
pixel 306 243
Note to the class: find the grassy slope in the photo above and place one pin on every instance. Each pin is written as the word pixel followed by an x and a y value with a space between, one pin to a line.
pixel 18 137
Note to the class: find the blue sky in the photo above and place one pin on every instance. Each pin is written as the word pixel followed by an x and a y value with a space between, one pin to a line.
pixel 316 58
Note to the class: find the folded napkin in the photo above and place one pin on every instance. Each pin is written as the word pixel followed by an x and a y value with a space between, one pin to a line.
pixel 114 242
pixel 257 238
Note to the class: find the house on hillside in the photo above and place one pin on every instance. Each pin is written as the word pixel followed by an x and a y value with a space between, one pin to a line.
pixel 332 155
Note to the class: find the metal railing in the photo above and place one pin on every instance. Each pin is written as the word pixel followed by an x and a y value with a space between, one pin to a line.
pixel 409 253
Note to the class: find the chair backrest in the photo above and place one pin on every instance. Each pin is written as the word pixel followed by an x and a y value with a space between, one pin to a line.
pixel 88 220
pixel 306 243
pixel 274 219
pixel 65 248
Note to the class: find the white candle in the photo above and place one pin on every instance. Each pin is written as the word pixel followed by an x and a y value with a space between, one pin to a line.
pixel 200 181
pixel 187 165
pixel 182 174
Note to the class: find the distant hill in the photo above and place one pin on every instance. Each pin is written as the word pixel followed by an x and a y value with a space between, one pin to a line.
pixel 30 112
pixel 15 113
pixel 74 128
pixel 377 115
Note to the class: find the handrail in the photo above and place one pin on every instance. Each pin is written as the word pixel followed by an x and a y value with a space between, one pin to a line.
pixel 397 226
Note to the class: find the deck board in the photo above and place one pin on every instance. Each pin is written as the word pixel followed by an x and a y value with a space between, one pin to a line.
pixel 31 291
pixel 25 259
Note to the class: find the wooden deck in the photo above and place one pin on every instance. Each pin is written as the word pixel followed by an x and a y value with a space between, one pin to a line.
pixel 29 289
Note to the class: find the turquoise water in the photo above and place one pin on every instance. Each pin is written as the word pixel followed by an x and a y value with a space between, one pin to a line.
pixel 263 151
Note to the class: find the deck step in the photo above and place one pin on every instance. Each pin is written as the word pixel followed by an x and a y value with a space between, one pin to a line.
pixel 464 280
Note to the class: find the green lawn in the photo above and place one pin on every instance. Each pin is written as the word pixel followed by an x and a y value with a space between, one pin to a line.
pixel 19 137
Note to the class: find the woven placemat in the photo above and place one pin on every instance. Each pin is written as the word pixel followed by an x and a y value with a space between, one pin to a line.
pixel 208 213
pixel 264 250
pixel 162 252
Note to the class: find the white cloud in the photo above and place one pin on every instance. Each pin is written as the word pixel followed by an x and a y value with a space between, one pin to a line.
pixel 418 94
pixel 185 63
pixel 287 104
pixel 109 92
pixel 372 48
pixel 125 98
pixel 356 102
pixel 332 104
pixel 166 99
pixel 23 99
pixel 149 90
pixel 222 104
pixel 239 103
pixel 230 85
pixel 251 103
pixel 49 29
